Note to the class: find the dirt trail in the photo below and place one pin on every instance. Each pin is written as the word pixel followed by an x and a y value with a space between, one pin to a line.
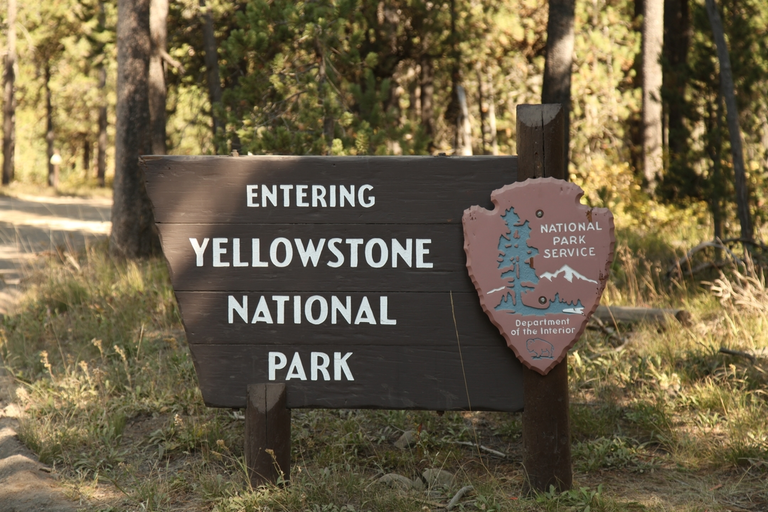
pixel 30 226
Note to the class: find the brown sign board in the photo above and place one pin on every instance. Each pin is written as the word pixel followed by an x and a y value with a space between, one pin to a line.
pixel 540 261
pixel 342 277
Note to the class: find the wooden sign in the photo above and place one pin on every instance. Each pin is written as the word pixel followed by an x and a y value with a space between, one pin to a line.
pixel 342 278
pixel 539 261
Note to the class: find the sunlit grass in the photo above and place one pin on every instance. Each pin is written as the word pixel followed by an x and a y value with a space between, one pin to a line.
pixel 111 399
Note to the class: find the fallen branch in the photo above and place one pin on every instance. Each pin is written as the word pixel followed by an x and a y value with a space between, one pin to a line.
pixel 630 315
pixel 738 353
pixel 481 447
pixel 456 497
pixel 724 245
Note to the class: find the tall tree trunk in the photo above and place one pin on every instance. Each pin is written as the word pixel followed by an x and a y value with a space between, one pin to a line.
pixel 9 98
pixel 86 155
pixel 653 38
pixel 557 69
pixel 714 147
pixel 732 116
pixel 426 83
pixel 53 169
pixel 482 108
pixel 676 43
pixel 101 159
pixel 464 145
pixel 133 231
pixel 212 67
pixel 453 111
pixel 492 117
pixel 158 11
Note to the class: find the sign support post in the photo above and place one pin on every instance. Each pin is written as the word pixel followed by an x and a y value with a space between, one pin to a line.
pixel 267 434
pixel 546 429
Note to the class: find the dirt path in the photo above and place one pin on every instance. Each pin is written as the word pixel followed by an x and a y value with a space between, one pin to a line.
pixel 29 226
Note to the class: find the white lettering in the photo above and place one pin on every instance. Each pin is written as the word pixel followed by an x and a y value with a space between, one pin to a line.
pixel 346 194
pixel 383 253
pixel 218 252
pixel 361 196
pixel 340 365
pixel 353 243
pixel 281 300
pixel 268 194
pixel 256 256
pixel 365 313
pixel 273 252
pixel 323 309
pixel 336 252
pixel 422 251
pixel 310 252
pixel 345 309
pixel 286 194
pixel 234 306
pixel 301 196
pixel 262 313
pixel 296 370
pixel 277 361
pixel 405 253
pixel 315 366
pixel 236 254
pixel 297 309
pixel 199 250
pixel 251 195
pixel 384 313
pixel 318 198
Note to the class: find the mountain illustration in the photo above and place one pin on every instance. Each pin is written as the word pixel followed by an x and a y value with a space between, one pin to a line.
pixel 569 275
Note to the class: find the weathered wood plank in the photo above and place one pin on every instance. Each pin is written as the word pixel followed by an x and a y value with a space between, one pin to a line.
pixel 213 189
pixel 394 377
pixel 206 319
pixel 436 248
pixel 546 421
pixel 267 434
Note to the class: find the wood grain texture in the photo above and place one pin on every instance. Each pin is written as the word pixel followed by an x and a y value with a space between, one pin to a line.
pixel 397 377
pixel 412 364
pixel 546 417
pixel 423 319
pixel 407 189
pixel 267 434
pixel 446 255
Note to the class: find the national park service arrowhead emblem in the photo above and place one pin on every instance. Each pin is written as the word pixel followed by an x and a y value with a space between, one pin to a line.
pixel 539 261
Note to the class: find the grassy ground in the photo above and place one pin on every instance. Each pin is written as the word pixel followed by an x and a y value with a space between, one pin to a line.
pixel 660 418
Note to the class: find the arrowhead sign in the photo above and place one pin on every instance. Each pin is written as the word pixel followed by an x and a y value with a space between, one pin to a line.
pixel 539 261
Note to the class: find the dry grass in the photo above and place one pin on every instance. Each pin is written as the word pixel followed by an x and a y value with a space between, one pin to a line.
pixel 664 422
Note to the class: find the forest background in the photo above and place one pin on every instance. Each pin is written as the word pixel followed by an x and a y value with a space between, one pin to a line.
pixel 403 77
pixel 667 417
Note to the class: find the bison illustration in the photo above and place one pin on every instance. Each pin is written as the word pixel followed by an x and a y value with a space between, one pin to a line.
pixel 541 349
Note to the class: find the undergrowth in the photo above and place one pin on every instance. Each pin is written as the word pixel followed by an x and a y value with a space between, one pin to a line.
pixel 110 399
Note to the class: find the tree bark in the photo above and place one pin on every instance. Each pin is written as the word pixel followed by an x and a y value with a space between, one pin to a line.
pixel 481 109
pixel 133 230
pixel 86 155
pixel 101 158
pixel 212 67
pixel 464 145
pixel 557 68
pixel 157 91
pixel 732 116
pixel 492 117
pixel 9 98
pixel 677 38
pixel 653 38
pixel 53 170
pixel 427 96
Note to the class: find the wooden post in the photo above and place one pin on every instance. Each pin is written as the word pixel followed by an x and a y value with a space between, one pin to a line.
pixel 267 434
pixel 546 429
